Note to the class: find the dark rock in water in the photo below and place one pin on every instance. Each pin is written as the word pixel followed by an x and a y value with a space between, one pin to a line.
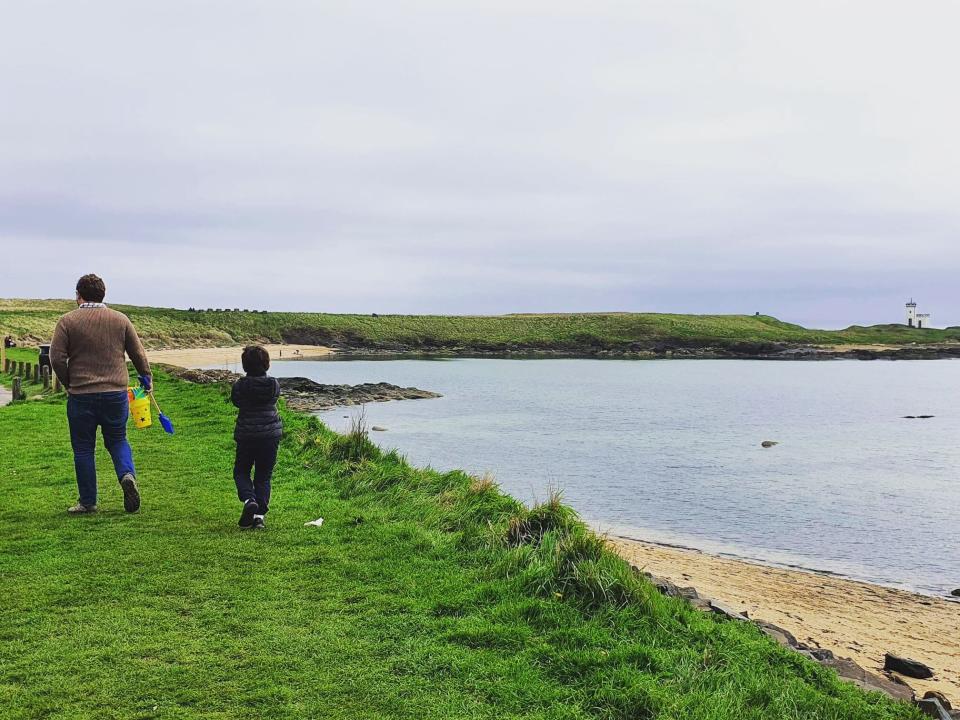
pixel 955 593
pixel 305 394
pixel 769 443
pixel 909 417
pixel 924 417
pixel 377 428
pixel 850 671
pixel 934 707
pixel 905 666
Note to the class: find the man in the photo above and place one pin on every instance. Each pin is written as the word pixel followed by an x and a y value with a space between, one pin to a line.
pixel 87 354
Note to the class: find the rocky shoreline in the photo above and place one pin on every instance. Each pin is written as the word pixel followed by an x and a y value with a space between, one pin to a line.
pixel 882 639
pixel 308 396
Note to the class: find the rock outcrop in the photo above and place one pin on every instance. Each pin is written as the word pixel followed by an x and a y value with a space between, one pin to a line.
pixel 306 395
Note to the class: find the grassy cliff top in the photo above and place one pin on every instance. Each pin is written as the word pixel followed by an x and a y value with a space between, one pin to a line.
pixel 424 595
pixel 33 321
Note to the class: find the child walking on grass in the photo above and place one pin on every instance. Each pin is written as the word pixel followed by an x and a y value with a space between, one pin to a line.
pixel 257 434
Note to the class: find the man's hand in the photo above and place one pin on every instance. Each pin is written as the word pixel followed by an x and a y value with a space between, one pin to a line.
pixel 146 381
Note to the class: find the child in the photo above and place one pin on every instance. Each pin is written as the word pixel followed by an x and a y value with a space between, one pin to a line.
pixel 257 434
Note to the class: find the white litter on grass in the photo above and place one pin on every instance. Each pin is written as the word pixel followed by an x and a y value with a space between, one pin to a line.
pixel 317 523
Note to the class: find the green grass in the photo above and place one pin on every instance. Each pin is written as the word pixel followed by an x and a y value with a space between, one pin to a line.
pixel 424 595
pixel 33 321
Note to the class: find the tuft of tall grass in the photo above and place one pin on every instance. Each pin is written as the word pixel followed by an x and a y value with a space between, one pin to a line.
pixel 529 526
pixel 355 446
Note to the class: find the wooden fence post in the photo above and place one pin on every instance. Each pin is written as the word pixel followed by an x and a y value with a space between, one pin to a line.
pixel 45 371
pixel 17 390
pixel 56 383
pixel 19 368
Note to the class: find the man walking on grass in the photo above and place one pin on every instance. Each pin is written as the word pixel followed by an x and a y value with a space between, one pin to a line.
pixel 87 354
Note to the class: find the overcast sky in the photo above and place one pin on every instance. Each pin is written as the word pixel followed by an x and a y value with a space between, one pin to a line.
pixel 799 159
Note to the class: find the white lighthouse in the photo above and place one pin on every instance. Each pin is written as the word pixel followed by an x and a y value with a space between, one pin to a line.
pixel 915 319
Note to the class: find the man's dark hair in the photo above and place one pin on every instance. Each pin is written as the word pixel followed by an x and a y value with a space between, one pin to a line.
pixel 91 288
pixel 255 359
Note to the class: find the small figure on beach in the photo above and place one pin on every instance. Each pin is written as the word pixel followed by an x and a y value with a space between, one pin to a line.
pixel 257 433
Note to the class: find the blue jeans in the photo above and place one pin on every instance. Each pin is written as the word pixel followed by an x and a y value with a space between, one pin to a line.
pixel 109 411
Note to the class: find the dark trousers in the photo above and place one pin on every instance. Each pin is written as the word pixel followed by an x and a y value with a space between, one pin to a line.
pixel 259 456
pixel 109 412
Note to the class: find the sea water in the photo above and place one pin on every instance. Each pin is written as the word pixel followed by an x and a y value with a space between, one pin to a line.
pixel 671 450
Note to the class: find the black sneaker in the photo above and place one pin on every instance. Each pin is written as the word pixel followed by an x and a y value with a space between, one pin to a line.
pixel 250 508
pixel 131 494
pixel 258 523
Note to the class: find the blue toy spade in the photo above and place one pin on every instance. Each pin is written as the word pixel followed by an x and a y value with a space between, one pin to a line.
pixel 164 420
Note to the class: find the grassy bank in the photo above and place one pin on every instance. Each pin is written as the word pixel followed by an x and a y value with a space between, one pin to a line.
pixel 33 320
pixel 424 595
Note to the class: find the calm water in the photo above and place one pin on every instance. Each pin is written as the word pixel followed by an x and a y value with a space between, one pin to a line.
pixel 670 450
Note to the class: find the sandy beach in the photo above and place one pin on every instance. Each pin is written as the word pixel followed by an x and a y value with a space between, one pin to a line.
pixel 853 619
pixel 219 357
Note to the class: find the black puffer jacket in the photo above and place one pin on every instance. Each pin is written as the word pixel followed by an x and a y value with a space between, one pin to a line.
pixel 256 396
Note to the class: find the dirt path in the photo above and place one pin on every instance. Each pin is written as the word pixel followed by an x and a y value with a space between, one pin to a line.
pixel 5 396
pixel 230 356
pixel 853 619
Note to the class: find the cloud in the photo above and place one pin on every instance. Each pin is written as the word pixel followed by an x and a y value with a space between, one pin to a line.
pixel 485 156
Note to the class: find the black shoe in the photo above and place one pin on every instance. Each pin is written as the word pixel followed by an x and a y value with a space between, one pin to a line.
pixel 250 508
pixel 131 494
pixel 258 523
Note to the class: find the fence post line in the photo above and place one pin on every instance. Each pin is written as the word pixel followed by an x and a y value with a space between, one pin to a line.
pixel 45 371
pixel 17 389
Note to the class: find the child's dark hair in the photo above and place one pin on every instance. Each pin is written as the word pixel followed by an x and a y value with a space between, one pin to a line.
pixel 255 359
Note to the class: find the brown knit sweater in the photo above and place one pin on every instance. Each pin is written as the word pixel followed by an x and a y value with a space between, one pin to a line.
pixel 88 347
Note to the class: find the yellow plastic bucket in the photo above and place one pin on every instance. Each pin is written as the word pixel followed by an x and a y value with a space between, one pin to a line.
pixel 140 411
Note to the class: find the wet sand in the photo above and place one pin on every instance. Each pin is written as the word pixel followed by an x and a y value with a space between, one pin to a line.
pixel 219 357
pixel 853 619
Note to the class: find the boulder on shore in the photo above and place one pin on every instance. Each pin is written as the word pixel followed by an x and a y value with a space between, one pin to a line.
pixel 849 670
pixel 956 593
pixel 906 666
